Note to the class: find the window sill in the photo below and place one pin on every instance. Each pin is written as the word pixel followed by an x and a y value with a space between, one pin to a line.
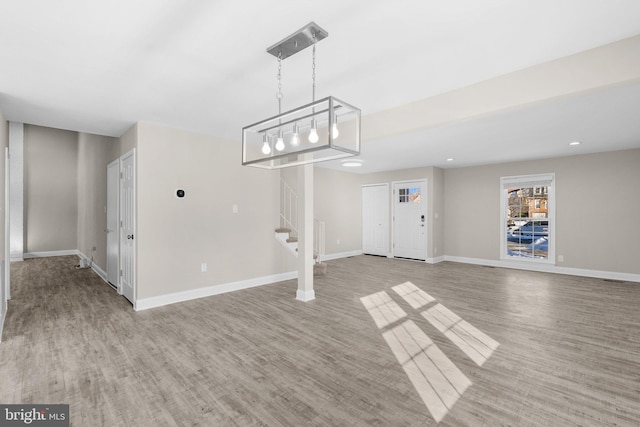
pixel 524 260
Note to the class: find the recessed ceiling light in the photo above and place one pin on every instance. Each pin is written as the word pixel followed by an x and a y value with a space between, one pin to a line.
pixel 352 163
pixel 450 159
pixel 575 143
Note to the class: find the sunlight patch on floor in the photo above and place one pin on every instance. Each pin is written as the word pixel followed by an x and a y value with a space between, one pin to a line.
pixel 436 379
pixel 383 309
pixel 416 297
pixel 473 342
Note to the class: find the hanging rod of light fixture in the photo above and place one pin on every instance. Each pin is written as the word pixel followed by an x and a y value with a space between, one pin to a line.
pixel 306 134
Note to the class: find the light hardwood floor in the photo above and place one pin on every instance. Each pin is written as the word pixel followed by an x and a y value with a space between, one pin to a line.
pixel 568 354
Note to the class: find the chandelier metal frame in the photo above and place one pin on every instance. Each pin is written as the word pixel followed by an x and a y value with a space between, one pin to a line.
pixel 312 129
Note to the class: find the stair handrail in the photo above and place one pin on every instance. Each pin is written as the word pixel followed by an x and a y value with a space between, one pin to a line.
pixel 288 208
pixel 289 219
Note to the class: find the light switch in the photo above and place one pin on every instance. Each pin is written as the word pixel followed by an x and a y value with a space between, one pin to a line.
pixel 234 208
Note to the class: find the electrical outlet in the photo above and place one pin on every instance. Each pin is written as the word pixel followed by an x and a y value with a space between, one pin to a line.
pixel 338 242
pixel 560 258
pixel 203 267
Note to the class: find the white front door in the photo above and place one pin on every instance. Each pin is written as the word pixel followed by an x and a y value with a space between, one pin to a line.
pixel 375 219
pixel 127 226
pixel 113 252
pixel 410 219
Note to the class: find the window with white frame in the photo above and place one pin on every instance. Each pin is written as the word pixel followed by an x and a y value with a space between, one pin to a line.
pixel 528 217
pixel 409 195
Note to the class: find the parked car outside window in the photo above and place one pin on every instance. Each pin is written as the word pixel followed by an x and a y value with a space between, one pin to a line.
pixel 537 228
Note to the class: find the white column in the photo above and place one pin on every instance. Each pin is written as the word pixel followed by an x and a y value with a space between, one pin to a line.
pixel 16 186
pixel 305 233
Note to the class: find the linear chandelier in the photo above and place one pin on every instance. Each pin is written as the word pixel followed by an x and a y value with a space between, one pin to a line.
pixel 326 129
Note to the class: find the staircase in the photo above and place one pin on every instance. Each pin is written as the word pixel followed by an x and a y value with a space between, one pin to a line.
pixel 286 237
pixel 286 234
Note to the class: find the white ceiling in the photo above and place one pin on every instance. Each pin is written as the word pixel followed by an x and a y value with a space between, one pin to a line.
pixel 201 65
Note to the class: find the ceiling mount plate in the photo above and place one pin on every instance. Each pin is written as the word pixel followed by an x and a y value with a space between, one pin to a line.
pixel 300 40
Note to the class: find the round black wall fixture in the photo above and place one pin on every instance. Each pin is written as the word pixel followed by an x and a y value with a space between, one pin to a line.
pixel 180 193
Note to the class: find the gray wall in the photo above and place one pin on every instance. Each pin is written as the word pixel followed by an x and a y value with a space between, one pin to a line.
pixel 127 141
pixel 593 192
pixel 95 152
pixel 596 209
pixel 174 236
pixel 16 190
pixel 65 191
pixel 337 202
pixel 50 189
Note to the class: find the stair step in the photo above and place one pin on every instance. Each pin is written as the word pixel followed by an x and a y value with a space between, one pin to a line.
pixel 283 230
pixel 292 239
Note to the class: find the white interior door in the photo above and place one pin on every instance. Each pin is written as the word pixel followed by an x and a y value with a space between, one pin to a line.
pixel 410 219
pixel 127 226
pixel 375 219
pixel 113 241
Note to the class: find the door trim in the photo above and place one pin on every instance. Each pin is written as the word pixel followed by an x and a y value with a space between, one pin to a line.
pixel 425 181
pixel 122 159
pixel 116 163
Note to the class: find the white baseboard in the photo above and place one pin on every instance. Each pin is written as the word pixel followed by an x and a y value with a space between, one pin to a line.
pixel 435 260
pixel 100 272
pixel 305 295
pixel 159 301
pixel 547 268
pixel 338 255
pixel 51 253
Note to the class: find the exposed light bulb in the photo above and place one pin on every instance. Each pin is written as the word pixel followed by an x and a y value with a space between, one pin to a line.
pixel 313 133
pixel 280 141
pixel 295 138
pixel 266 149
pixel 334 131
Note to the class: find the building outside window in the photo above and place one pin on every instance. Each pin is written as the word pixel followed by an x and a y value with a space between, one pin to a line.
pixel 528 218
